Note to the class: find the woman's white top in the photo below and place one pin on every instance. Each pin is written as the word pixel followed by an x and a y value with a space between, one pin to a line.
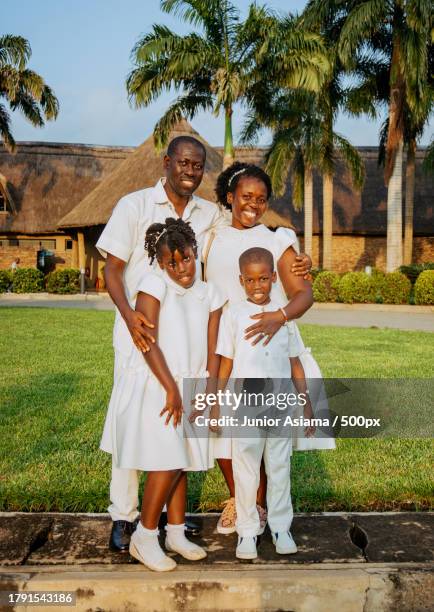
pixel 222 267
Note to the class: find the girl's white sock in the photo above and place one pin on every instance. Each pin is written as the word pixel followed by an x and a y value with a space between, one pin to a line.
pixel 150 547
pixel 176 541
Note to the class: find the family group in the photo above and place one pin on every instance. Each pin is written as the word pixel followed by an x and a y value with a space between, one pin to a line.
pixel 203 291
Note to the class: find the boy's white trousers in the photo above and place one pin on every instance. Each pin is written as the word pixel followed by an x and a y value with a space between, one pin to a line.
pixel 246 462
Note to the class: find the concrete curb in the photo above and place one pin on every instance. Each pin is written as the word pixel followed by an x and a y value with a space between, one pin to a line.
pixel 327 588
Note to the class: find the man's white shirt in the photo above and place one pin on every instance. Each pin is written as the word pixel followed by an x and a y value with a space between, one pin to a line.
pixel 124 235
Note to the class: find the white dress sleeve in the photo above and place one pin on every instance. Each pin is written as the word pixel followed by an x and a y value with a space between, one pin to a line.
pixel 285 238
pixel 226 337
pixel 216 299
pixel 119 236
pixel 154 285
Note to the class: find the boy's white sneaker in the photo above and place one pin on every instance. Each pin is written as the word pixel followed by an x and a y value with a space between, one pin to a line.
pixel 246 548
pixel 148 551
pixel 284 543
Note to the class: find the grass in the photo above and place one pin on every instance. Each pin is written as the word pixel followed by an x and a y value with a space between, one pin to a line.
pixel 56 383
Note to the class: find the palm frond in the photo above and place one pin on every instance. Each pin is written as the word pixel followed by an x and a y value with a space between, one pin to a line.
pixel 352 159
pixel 184 107
pixel 278 160
pixel 361 22
pixel 5 129
pixel 14 50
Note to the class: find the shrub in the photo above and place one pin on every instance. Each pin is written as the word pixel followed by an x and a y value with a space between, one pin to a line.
pixel 395 288
pixel 28 280
pixel 5 280
pixel 358 288
pixel 412 272
pixel 377 274
pixel 326 287
pixel 424 288
pixel 65 280
pixel 314 273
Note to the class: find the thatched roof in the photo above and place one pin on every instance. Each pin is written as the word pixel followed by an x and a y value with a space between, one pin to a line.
pixel 140 169
pixel 46 180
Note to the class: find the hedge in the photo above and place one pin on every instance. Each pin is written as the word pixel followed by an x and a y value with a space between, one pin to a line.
pixel 357 288
pixel 64 280
pixel 5 280
pixel 326 287
pixel 424 288
pixel 27 280
pixel 395 288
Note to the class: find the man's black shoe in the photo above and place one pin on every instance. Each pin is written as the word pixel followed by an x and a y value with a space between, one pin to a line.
pixel 191 528
pixel 120 536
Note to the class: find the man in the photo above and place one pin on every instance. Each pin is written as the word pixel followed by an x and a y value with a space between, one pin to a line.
pixel 122 242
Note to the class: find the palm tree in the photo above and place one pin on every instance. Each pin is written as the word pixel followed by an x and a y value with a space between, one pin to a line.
pixel 21 88
pixel 332 98
pixel 408 25
pixel 217 67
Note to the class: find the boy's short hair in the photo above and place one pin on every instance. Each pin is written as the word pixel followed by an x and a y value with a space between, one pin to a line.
pixel 256 255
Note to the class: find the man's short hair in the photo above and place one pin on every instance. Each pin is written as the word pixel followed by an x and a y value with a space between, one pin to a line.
pixel 179 140
pixel 256 255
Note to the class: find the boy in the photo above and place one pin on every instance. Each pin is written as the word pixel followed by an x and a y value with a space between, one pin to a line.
pixel 241 359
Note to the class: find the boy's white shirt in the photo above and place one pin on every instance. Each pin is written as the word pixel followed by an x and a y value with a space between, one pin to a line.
pixel 258 361
pixel 124 235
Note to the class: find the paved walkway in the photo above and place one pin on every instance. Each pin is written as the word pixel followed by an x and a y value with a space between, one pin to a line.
pixel 341 315
pixel 346 562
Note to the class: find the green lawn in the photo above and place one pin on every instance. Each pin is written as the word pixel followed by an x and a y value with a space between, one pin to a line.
pixel 55 386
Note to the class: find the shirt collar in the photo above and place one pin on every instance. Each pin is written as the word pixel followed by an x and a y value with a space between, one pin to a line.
pixel 198 288
pixel 160 195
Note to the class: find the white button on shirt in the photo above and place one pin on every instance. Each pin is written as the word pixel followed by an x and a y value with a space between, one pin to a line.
pixel 259 361
pixel 124 234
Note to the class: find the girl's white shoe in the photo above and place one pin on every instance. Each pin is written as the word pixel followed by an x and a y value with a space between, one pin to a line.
pixel 246 548
pixel 144 547
pixel 177 542
pixel 284 543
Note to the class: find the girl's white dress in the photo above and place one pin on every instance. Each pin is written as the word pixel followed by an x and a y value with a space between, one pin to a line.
pixel 222 269
pixel 134 433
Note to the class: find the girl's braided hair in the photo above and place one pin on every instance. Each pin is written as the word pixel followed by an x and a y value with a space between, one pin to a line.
pixel 176 234
pixel 228 180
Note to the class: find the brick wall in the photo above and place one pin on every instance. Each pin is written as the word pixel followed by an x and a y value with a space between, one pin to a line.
pixel 27 254
pixel 356 252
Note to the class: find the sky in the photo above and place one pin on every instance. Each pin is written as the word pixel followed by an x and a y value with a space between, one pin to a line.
pixel 82 49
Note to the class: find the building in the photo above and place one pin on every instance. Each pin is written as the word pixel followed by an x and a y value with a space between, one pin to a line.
pixel 59 196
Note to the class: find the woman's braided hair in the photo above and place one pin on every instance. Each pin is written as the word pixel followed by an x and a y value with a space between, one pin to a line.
pixel 228 180
pixel 176 234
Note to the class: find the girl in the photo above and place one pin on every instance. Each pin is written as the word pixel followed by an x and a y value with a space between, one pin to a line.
pixel 245 190
pixel 144 425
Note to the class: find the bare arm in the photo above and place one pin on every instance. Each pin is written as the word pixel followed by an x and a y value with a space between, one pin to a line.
pixel 135 320
pixel 299 381
pixel 150 308
pixel 213 362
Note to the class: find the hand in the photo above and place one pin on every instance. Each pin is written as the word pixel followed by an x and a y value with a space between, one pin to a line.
pixel 268 324
pixel 308 414
pixel 173 407
pixel 302 266
pixel 137 324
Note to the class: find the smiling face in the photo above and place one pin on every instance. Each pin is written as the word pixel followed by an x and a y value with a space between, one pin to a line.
pixel 257 279
pixel 184 169
pixel 249 202
pixel 180 267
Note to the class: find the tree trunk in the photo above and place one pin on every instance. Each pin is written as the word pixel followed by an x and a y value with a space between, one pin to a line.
pixel 394 214
pixel 409 201
pixel 228 153
pixel 327 224
pixel 308 210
